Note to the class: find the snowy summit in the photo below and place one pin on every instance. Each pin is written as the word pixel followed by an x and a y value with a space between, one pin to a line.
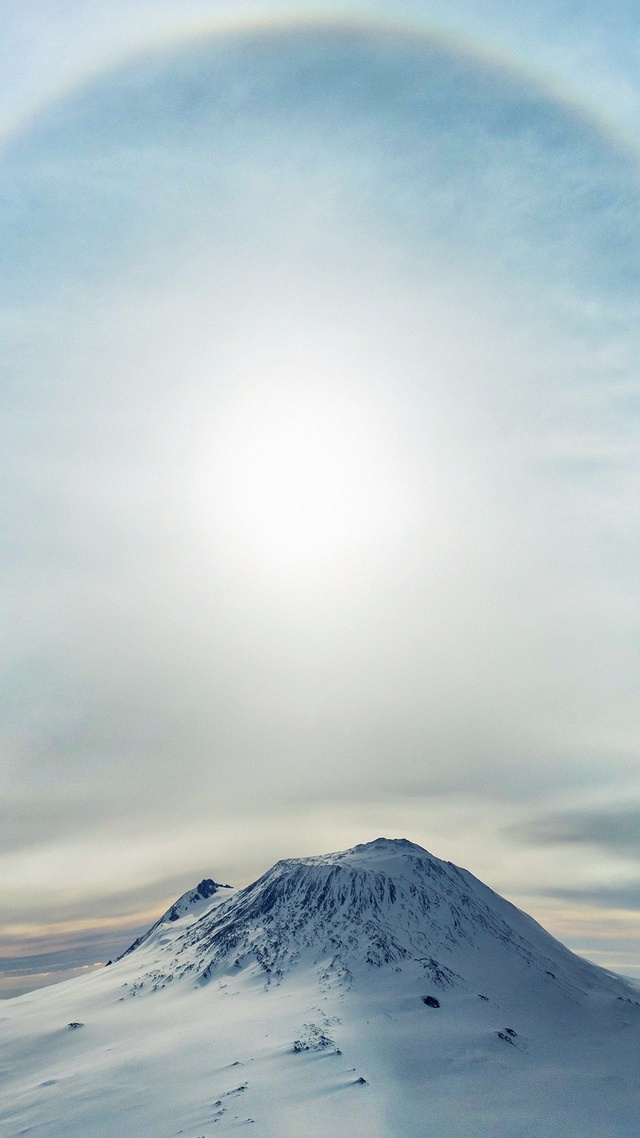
pixel 378 992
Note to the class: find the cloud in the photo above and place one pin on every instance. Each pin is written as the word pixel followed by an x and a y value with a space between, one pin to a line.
pixel 352 278
pixel 617 830
pixel 610 897
pixel 178 143
pixel 125 440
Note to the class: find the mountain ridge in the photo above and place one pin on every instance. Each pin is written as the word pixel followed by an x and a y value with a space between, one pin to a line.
pixel 187 904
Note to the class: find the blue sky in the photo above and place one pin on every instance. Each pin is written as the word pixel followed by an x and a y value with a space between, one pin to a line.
pixel 320 456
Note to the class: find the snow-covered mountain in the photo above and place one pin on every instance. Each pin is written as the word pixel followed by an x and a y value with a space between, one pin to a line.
pixel 378 992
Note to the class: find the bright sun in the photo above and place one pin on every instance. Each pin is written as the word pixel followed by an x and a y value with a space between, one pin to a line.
pixel 301 475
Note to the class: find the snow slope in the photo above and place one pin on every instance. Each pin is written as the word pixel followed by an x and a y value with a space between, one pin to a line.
pixel 296 1007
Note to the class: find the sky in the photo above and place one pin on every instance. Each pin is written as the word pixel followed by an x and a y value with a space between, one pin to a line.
pixel 319 455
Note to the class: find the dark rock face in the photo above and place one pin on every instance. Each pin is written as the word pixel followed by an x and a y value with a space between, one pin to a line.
pixel 431 1001
pixel 208 887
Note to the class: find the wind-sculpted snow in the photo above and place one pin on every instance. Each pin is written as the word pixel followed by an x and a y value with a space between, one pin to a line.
pixel 378 992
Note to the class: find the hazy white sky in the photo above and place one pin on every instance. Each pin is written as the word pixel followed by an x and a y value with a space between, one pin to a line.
pixel 319 454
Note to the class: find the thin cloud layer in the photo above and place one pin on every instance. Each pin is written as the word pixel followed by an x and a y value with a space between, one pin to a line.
pixel 615 830
pixel 320 459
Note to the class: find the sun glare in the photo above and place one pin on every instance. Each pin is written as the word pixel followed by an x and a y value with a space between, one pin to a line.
pixel 301 476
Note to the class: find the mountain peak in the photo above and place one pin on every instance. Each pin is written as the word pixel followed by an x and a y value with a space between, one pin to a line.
pixel 375 853
pixel 389 845
pixel 382 848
